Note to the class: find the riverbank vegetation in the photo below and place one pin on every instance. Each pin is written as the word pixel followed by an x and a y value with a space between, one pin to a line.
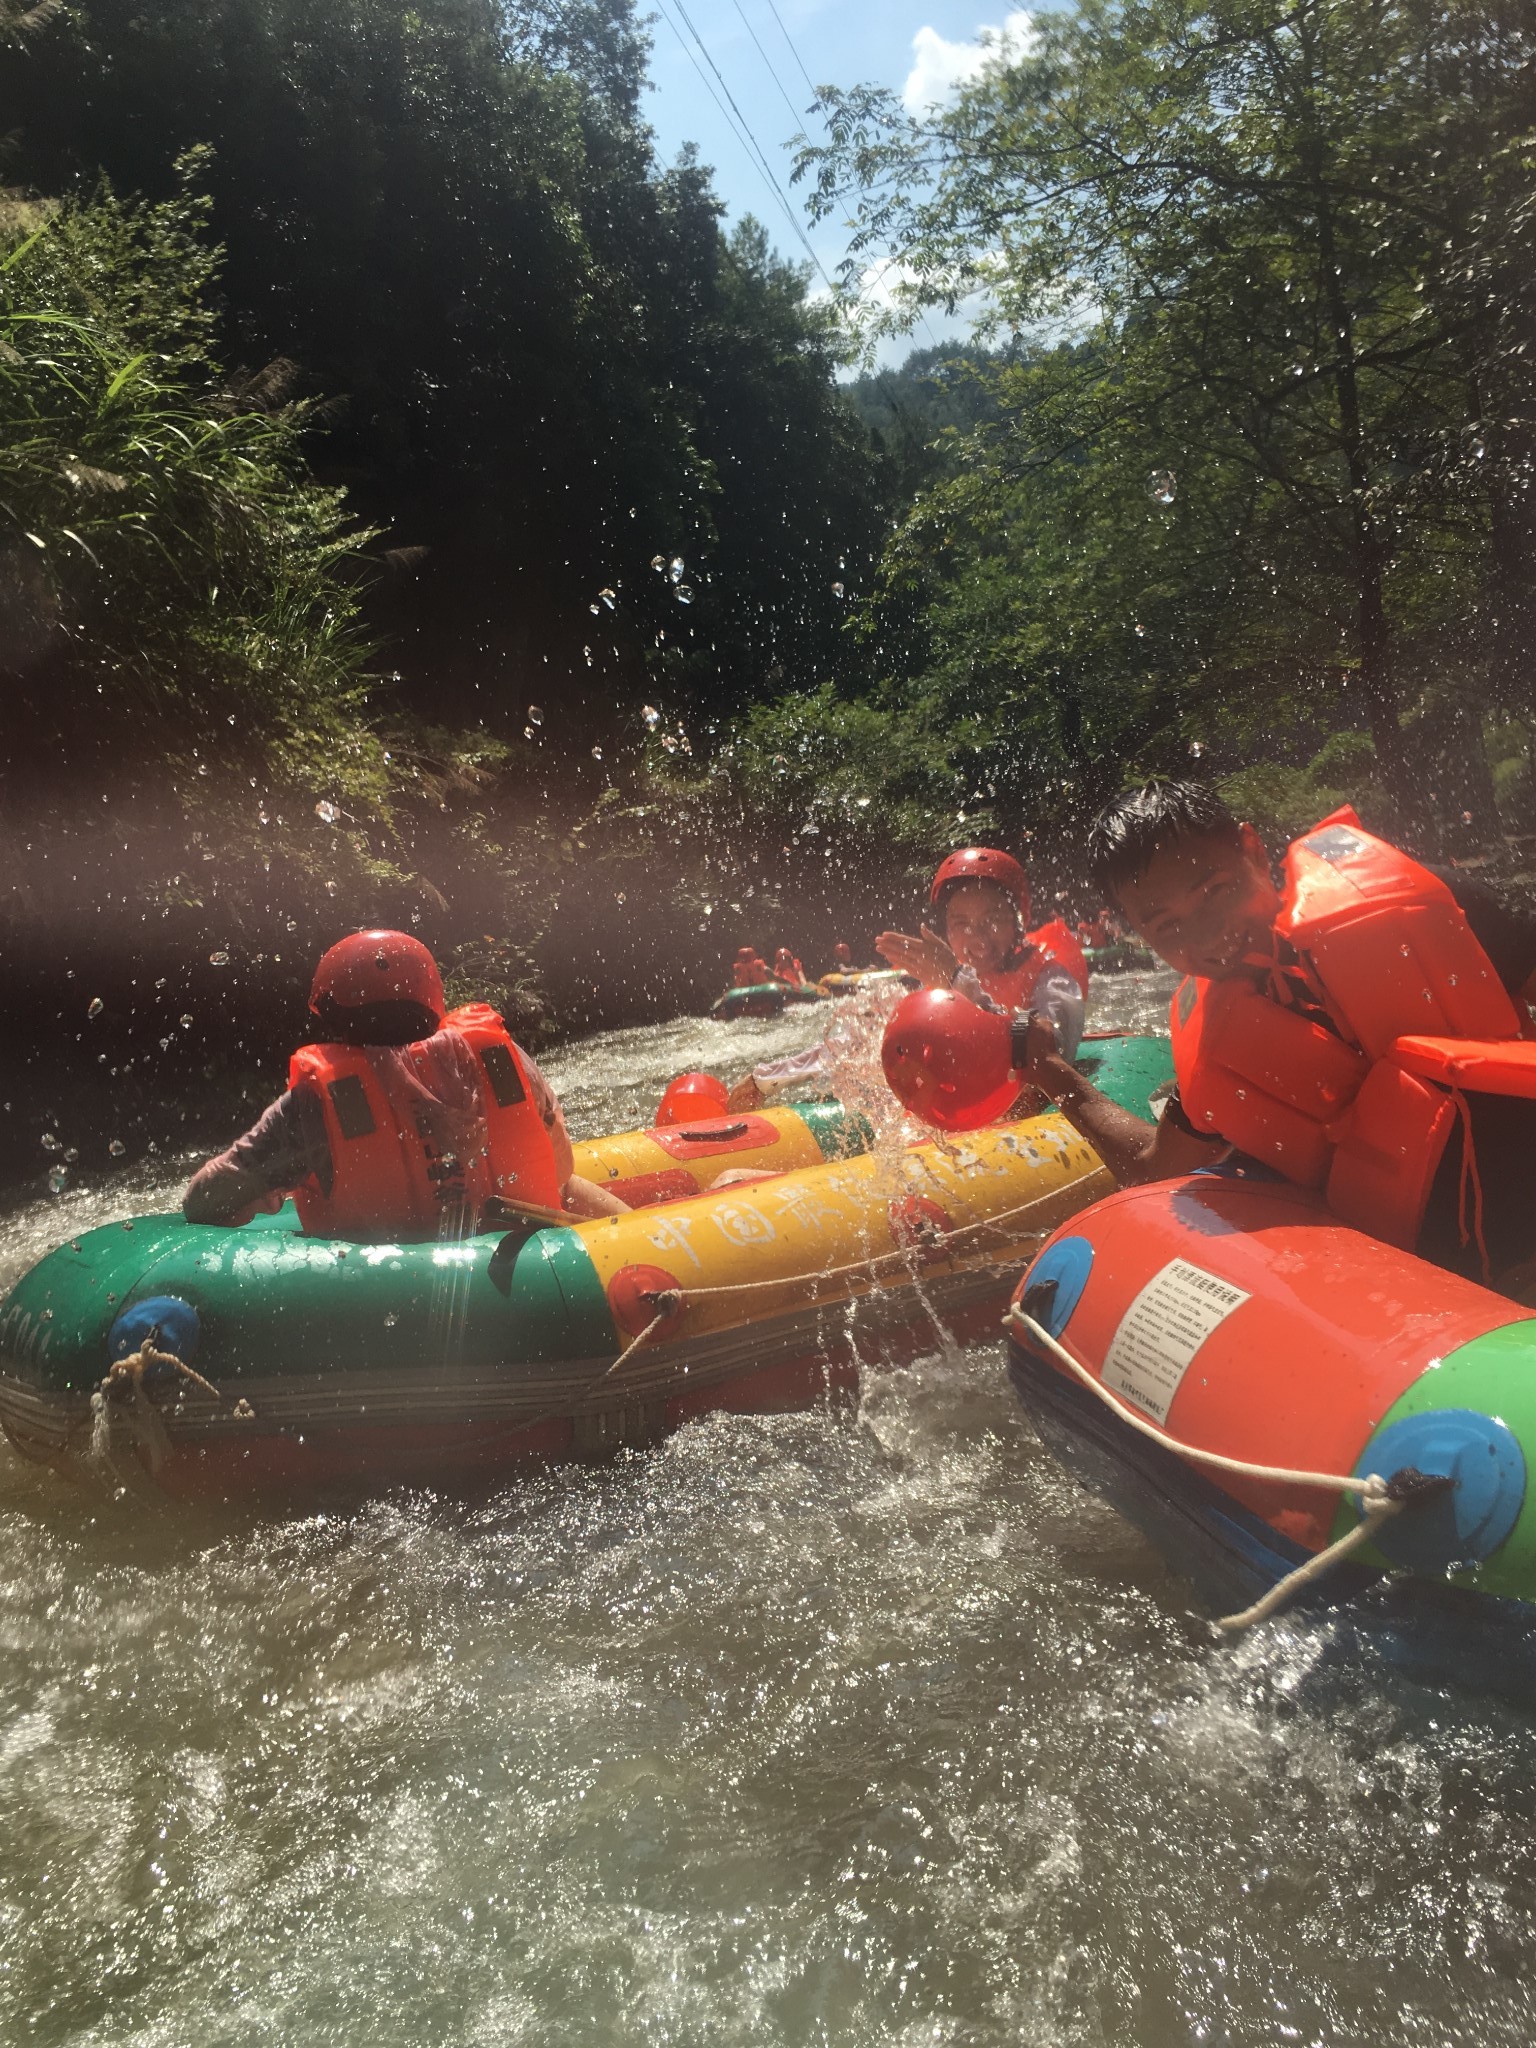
pixel 416 506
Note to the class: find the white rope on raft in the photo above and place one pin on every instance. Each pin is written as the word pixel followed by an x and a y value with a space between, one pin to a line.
pixel 670 1300
pixel 1378 1499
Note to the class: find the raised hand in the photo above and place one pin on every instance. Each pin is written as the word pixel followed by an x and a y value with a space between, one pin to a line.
pixel 928 957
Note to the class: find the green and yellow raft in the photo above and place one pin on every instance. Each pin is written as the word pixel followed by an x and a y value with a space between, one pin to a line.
pixel 763 999
pixel 258 1359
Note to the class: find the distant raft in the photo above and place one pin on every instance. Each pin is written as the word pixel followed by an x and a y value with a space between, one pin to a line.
pixel 861 980
pixel 762 999
pixel 230 1362
pixel 1119 957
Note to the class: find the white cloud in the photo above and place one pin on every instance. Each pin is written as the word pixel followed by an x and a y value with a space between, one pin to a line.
pixel 940 66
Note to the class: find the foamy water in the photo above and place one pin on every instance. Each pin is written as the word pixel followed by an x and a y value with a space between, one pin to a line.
pixel 838 1728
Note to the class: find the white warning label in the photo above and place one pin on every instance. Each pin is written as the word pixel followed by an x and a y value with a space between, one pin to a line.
pixel 1162 1330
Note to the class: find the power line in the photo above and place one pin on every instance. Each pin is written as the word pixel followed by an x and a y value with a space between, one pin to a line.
pixel 753 157
pixel 784 32
pixel 754 145
pixel 796 114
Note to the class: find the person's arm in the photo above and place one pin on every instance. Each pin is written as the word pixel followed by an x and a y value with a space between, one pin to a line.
pixel 1133 1149
pixel 578 1196
pixel 282 1148
pixel 1060 1001
pixel 928 957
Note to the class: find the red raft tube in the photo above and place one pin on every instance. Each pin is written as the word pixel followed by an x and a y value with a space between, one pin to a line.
pixel 1232 1313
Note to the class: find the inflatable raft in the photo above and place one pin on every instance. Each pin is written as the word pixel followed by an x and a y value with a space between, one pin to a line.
pixel 1232 1313
pixel 1119 957
pixel 231 1361
pixel 762 999
pixel 860 980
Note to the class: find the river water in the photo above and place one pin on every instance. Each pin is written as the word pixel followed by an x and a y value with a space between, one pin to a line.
pixel 838 1728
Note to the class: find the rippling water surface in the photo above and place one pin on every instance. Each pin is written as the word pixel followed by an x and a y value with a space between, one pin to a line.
pixel 831 1728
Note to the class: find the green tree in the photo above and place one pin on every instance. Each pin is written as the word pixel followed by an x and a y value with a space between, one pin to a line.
pixel 1250 210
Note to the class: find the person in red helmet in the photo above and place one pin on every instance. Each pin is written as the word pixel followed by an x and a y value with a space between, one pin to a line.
pixel 787 968
pixel 749 969
pixel 402 1119
pixel 987 950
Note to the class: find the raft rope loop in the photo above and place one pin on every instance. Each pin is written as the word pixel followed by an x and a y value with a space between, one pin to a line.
pixel 669 1301
pixel 122 1401
pixel 1380 1499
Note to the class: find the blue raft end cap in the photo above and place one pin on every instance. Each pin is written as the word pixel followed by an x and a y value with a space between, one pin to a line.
pixel 1470 1519
pixel 1064 1267
pixel 176 1319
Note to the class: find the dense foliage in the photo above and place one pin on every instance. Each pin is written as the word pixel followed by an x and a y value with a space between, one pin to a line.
pixel 1275 485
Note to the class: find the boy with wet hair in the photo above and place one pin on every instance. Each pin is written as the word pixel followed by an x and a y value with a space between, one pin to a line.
pixel 1270 1052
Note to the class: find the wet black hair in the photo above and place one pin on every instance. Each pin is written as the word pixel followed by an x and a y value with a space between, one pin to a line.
pixel 393 1023
pixel 1140 823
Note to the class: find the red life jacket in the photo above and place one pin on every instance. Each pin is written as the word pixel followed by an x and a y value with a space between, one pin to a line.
pixel 419 1133
pixel 1387 955
pixel 1051 945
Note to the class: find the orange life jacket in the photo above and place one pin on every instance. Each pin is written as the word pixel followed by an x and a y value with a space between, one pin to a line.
pixel 1387 955
pixel 1051 945
pixel 418 1133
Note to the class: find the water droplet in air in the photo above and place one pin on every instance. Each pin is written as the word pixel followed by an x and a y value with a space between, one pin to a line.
pixel 202 769
pixel 675 568
pixel 596 609
pixel 684 594
pixel 186 1020
pixel 117 1148
pixel 219 959
pixel 327 813
pixel 651 716
pixel 1196 749
pixel 862 802
pixel 837 590
pixel 390 1320
pixel 658 562
pixel 669 743
pixel 330 888
pixel 535 714
pixel 1141 631
pixel 609 597
pixel 96 1007
pixel 58 1179
pixel 50 1143
pixel 527 732
pixel 621 897
pixel 72 1154
pixel 597 753
pixel 1163 486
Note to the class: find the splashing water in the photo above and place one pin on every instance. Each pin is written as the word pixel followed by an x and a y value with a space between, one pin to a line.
pixel 866 1730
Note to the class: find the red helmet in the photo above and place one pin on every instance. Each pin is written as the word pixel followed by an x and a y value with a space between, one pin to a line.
pixel 377 967
pixel 948 1062
pixel 692 1099
pixel 983 864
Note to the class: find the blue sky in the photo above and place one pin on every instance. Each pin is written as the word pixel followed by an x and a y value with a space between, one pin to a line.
pixel 919 47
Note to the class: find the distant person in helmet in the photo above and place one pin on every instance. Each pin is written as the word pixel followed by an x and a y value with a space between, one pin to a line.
pixel 987 951
pixel 787 968
pixel 842 958
pixel 749 970
pixel 400 1120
